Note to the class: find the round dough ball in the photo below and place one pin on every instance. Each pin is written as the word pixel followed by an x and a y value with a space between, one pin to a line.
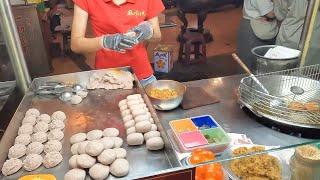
pixel 107 142
pixel 32 162
pixel 74 148
pixel 138 106
pixel 24 139
pixel 137 112
pixel 85 161
pixel 99 171
pixel 143 126
pixel 55 134
pixel 52 159
pixel 11 166
pixel 73 161
pixel 124 107
pixel 53 145
pixel 75 174
pixel 58 115
pixel 107 156
pixel 131 130
pixel 134 97
pixel 75 99
pixel 33 112
pixel 26 128
pixel 129 124
pixel 120 152
pixel 155 143
pixel 127 118
pixel 117 142
pixel 94 148
pixel 82 147
pixel 17 151
pixel 151 120
pixel 35 148
pixel 79 137
pixel 94 134
pixel 119 168
pixel 133 103
pixel 151 134
pixel 122 103
pixel 82 94
pixel 41 127
pixel 45 118
pixel 125 112
pixel 143 117
pixel 56 124
pixel 153 127
pixel 135 139
pixel 111 132
pixel 29 119
pixel 39 137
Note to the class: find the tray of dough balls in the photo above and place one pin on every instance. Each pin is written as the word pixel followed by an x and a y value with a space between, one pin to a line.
pixel 112 134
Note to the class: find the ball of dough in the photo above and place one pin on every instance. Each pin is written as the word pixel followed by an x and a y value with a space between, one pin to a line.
pixel 122 103
pixel 41 127
pixel 151 134
pixel 56 124
pixel 79 137
pixel 82 147
pixel 143 117
pixel 52 159
pixel 123 107
pixel 133 103
pixel 155 143
pixel 94 148
pixel 75 99
pixel 74 148
pixel 35 148
pixel 117 142
pixel 143 126
pixel 45 118
pixel 127 118
pixel 85 161
pixel 55 134
pixel 134 97
pixel 129 124
pixel 135 139
pixel 138 106
pixel 125 112
pixel 32 162
pixel 17 151
pixel 120 152
pixel 111 132
pixel 53 145
pixel 151 120
pixel 29 119
pixel 94 134
pixel 75 174
pixel 131 130
pixel 137 112
pixel 154 127
pixel 33 112
pixel 107 156
pixel 82 94
pixel 73 161
pixel 11 166
pixel 58 115
pixel 119 168
pixel 24 139
pixel 107 142
pixel 39 137
pixel 26 129
pixel 99 171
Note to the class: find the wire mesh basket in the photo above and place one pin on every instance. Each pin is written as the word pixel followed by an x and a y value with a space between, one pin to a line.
pixel 281 104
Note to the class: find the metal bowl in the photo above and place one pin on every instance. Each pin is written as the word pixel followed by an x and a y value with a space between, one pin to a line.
pixel 166 104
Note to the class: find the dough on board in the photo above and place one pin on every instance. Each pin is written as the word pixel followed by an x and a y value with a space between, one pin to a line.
pixel 119 168
pixel 131 130
pixel 135 139
pixel 107 156
pixel 151 134
pixel 82 147
pixel 75 174
pixel 99 171
pixel 94 134
pixel 73 161
pixel 85 161
pixel 11 166
pixel 74 148
pixel 55 134
pixel 33 112
pixel 143 126
pixel 75 99
pixel 41 127
pixel 79 137
pixel 52 159
pixel 32 162
pixel 111 132
pixel 45 118
pixel 107 142
pixel 25 129
pixel 56 124
pixel 94 148
pixel 53 145
pixel 17 151
pixel 24 139
pixel 58 115
pixel 29 119
pixel 83 94
pixel 117 142
pixel 155 143
pixel 120 152
pixel 39 137
pixel 35 148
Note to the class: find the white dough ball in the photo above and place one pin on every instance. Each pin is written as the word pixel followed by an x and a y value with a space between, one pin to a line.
pixel 75 174
pixel 33 112
pixel 94 148
pixel 125 112
pixel 131 130
pixel 24 139
pixel 94 134
pixel 123 107
pixel 155 143
pixel 129 124
pixel 99 171
pixel 107 156
pixel 53 145
pixel 127 118
pixel 35 148
pixel 134 97
pixel 143 126
pixel 11 166
pixel 45 118
pixel 39 137
pixel 137 112
pixel 75 99
pixel 82 147
pixel 119 168
pixel 143 117
pixel 55 134
pixel 154 127
pixel 32 162
pixel 73 161
pixel 117 142
pixel 138 106
pixel 107 142
pixel 29 119
pixel 122 103
pixel 26 128
pixel 56 124
pixel 135 139
pixel 151 120
pixel 74 148
pixel 58 115
pixel 133 103
pixel 151 134
pixel 17 151
pixel 85 161
pixel 79 137
pixel 82 94
pixel 41 127
pixel 52 159
pixel 120 152
pixel 111 132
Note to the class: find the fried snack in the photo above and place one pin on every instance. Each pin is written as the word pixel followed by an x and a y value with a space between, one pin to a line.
pixel 296 106
pixel 309 152
pixel 256 167
pixel 163 93
pixel 312 106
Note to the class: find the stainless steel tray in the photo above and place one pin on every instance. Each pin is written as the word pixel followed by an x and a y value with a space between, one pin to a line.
pixel 98 111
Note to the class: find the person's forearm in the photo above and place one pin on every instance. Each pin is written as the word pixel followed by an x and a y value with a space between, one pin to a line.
pixel 86 45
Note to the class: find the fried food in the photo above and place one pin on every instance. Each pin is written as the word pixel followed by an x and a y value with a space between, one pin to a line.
pixel 312 106
pixel 256 167
pixel 296 106
pixel 163 93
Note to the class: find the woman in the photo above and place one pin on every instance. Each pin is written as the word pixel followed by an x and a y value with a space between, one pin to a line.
pixel 120 28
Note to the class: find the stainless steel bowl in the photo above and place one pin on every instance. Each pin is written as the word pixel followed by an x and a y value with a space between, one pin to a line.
pixel 166 104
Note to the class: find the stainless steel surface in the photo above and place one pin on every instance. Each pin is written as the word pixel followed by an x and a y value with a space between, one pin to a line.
pixel 12 40
pixel 280 87
pixel 166 104
pixel 98 111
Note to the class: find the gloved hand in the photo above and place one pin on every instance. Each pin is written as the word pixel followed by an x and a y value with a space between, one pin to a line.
pixel 143 31
pixel 119 42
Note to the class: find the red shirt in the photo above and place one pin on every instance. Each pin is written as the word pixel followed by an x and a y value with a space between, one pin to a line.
pixel 108 18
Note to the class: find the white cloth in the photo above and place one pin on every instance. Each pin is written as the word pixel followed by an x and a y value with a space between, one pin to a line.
pixel 280 52
pixel 253 9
